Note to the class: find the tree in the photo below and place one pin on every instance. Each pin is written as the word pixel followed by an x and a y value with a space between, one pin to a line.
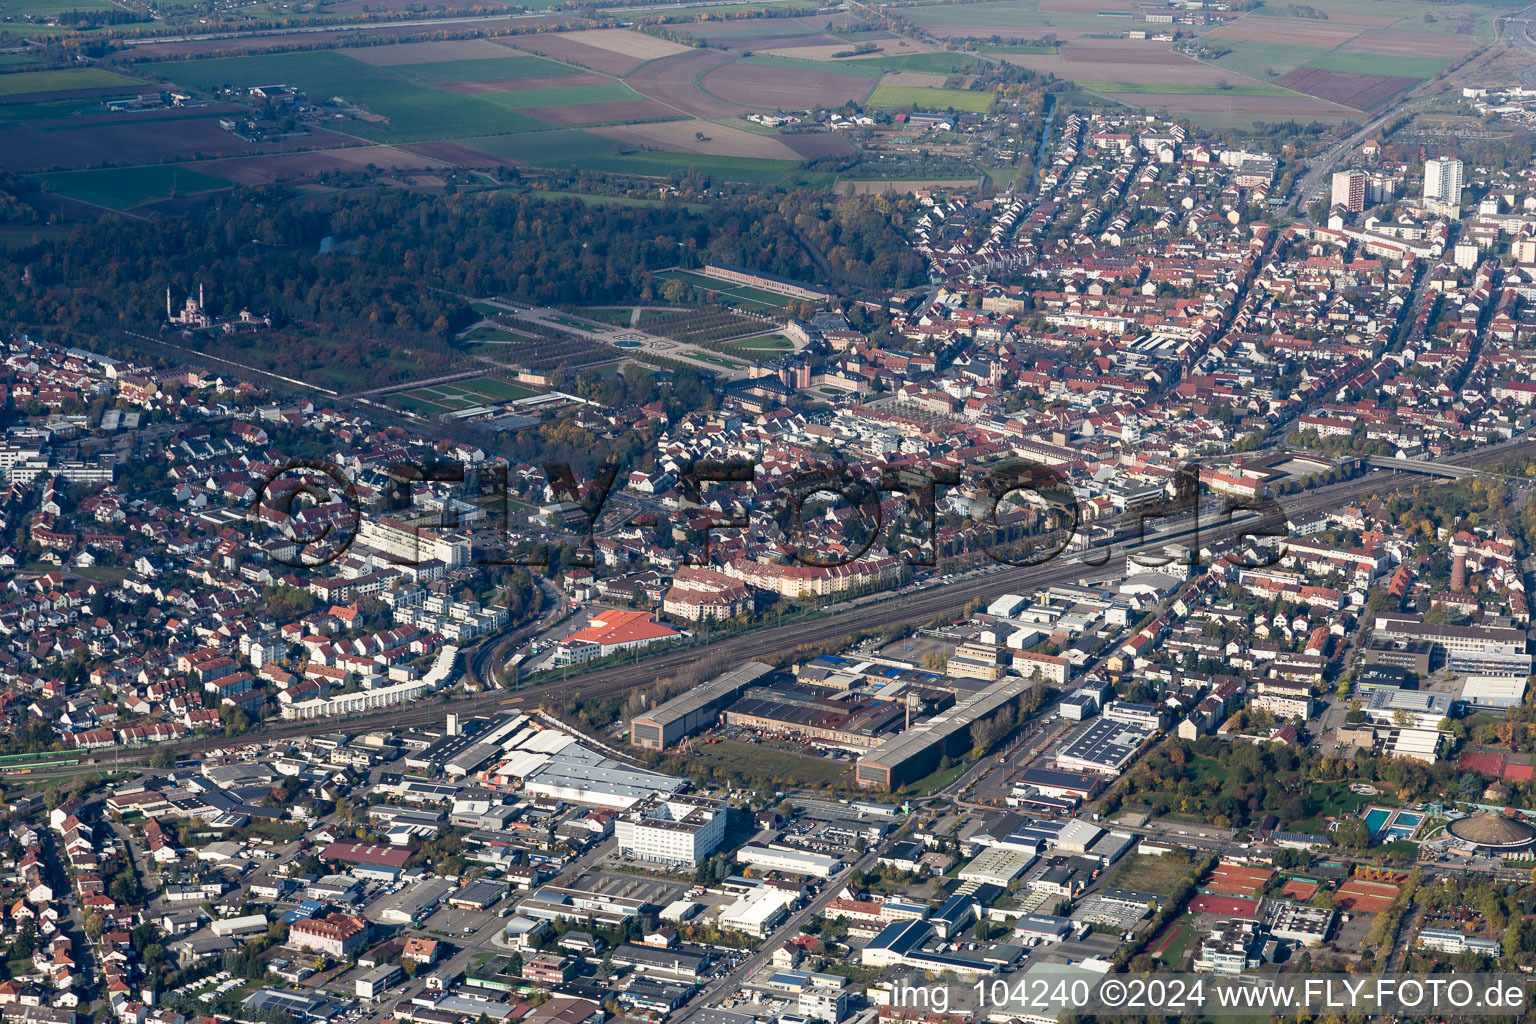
pixel 1352 832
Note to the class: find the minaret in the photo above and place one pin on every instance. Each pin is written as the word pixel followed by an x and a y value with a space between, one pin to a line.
pixel 168 302
pixel 199 296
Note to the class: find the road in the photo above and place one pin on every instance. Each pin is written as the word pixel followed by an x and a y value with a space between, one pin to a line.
pixel 790 928
pixel 1319 167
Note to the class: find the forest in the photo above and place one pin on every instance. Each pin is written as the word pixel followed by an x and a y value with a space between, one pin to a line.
pixel 399 267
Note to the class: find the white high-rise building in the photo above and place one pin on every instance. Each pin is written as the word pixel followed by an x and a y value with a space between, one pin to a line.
pixel 1349 189
pixel 1442 183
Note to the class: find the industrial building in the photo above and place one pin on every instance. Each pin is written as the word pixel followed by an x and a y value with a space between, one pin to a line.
pixel 789 860
pixel 758 912
pixel 795 710
pixel 1103 746
pixel 695 710
pixel 918 751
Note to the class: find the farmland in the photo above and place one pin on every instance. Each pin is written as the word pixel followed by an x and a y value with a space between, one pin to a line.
pixel 1239 68
pixel 29 82
pixel 122 188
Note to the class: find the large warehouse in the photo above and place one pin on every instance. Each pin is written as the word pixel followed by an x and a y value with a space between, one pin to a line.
pixel 918 751
pixel 695 710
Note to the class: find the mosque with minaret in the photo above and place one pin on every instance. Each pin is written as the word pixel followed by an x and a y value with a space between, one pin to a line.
pixel 194 316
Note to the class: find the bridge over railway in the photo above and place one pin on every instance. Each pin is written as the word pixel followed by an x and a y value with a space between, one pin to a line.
pixel 1444 470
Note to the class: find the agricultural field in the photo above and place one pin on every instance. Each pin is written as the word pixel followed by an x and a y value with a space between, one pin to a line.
pixel 34 82
pixel 122 188
pixel 1325 61
pixel 896 97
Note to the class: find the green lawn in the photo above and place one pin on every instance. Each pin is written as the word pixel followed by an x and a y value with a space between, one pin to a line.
pixel 416 112
pixel 493 389
pixel 22 83
pixel 899 96
pixel 15 60
pixel 121 188
pixel 772 344
pixel 744 296
pixel 1185 89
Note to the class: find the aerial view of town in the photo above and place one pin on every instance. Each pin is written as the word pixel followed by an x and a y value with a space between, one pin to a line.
pixel 767 511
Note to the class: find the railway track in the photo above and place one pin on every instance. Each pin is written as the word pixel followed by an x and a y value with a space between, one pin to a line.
pixel 907 609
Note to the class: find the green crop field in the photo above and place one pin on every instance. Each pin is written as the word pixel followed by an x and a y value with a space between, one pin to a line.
pixel 47 109
pixel 898 96
pixel 121 188
pixel 24 82
pixel 1185 89
pixel 995 17
pixel 874 67
pixel 1379 64
pixel 486 69
pixel 569 96
pixel 416 112
pixel 1257 59
pixel 550 149
pixel 16 60
pixel 47 8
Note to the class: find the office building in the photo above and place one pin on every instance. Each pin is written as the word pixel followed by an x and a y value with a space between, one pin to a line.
pixel 681 830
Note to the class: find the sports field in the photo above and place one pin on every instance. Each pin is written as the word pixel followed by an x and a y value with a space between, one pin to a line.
pixel 892 97
pixel 461 394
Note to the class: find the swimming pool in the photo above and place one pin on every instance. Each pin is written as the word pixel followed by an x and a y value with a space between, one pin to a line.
pixel 1388 824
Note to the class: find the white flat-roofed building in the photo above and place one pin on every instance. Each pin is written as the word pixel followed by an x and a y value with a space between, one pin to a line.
pixel 1408 709
pixel 789 861
pixel 1488 691
pixel 757 913
pixel 1304 925
pixel 997 865
pixel 675 830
